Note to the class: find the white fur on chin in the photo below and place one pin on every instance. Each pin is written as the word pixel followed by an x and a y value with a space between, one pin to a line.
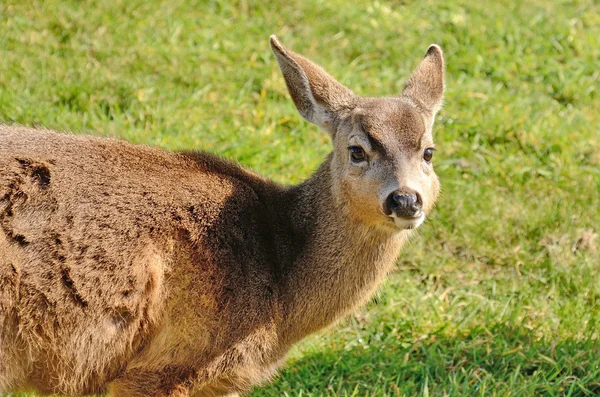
pixel 403 223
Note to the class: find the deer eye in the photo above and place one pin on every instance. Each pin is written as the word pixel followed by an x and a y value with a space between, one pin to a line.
pixel 428 154
pixel 357 154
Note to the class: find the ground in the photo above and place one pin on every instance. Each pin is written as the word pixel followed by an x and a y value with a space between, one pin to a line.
pixel 498 293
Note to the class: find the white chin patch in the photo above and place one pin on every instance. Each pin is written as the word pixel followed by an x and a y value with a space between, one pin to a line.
pixel 413 223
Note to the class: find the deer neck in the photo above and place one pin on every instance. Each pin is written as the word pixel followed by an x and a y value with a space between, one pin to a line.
pixel 339 262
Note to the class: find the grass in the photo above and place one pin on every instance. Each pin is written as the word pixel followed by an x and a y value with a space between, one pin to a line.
pixel 499 293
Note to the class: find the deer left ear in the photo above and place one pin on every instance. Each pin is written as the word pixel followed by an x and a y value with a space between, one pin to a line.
pixel 426 84
pixel 317 95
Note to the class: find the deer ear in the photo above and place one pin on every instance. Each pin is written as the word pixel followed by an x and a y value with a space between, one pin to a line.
pixel 316 94
pixel 425 86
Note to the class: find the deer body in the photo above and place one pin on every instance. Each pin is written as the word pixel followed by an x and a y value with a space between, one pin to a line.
pixel 145 273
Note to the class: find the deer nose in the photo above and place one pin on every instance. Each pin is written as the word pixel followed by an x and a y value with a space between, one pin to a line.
pixel 403 204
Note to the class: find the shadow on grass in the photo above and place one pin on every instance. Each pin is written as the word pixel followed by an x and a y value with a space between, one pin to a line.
pixel 496 361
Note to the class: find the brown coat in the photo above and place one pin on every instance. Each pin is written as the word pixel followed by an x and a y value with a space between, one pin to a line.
pixel 147 273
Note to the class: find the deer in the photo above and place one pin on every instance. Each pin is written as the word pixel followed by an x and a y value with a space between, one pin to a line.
pixel 132 271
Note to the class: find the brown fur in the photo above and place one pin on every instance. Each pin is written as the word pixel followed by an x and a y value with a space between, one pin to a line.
pixel 139 272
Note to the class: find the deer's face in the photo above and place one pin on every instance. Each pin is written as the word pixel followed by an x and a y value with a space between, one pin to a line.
pixel 382 169
pixel 384 162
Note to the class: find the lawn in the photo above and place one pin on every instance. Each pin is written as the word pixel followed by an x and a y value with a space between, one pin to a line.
pixel 498 293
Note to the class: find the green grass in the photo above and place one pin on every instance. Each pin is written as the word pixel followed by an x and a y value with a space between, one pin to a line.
pixel 499 293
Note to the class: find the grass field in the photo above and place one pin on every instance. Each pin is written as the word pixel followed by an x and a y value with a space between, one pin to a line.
pixel 499 292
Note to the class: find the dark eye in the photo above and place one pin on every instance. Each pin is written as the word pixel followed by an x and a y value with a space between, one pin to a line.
pixel 428 154
pixel 357 154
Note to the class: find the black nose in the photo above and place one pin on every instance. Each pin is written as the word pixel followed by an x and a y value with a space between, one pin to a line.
pixel 403 204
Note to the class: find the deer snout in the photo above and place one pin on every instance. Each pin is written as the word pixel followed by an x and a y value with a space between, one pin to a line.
pixel 403 204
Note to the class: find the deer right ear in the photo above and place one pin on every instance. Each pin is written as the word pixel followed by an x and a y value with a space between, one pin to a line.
pixel 316 94
pixel 425 86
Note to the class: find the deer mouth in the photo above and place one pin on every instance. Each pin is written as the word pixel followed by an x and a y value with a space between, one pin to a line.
pixel 409 223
